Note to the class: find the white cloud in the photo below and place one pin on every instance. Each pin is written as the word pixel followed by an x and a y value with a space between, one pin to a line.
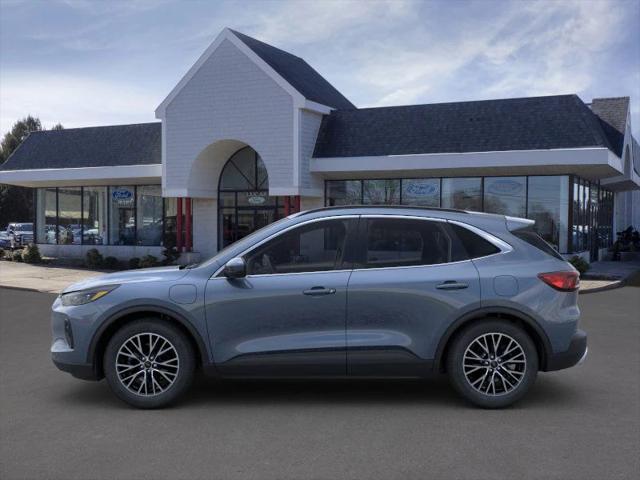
pixel 73 101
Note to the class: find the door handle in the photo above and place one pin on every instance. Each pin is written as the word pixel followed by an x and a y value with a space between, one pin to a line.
pixel 452 285
pixel 318 291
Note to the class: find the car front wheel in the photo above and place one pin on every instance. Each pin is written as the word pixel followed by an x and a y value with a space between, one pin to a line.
pixel 149 363
pixel 492 363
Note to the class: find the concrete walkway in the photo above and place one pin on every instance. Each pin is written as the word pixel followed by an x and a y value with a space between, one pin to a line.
pixel 601 276
pixel 41 278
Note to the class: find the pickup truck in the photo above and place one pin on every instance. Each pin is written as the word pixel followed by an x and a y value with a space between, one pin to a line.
pixel 19 234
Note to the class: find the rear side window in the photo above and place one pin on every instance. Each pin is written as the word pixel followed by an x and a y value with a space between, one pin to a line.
pixel 535 240
pixel 397 242
pixel 472 245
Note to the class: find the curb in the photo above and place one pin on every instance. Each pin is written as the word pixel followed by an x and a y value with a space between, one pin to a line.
pixel 27 289
pixel 611 286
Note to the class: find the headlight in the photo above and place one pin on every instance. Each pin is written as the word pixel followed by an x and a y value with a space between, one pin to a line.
pixel 85 296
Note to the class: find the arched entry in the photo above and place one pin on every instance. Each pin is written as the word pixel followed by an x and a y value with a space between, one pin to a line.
pixel 244 204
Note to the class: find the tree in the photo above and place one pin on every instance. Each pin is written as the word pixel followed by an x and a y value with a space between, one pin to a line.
pixel 16 203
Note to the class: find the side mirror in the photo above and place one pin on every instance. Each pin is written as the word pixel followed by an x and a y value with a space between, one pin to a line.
pixel 235 268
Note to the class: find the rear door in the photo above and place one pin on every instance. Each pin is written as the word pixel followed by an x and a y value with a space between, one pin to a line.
pixel 409 283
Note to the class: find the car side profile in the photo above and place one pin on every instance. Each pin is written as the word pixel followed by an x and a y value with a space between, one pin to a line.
pixel 339 292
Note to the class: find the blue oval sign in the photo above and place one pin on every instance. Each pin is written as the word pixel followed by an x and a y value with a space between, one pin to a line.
pixel 122 194
pixel 422 189
pixel 505 187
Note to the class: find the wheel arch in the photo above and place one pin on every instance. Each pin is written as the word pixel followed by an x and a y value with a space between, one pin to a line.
pixel 117 320
pixel 533 329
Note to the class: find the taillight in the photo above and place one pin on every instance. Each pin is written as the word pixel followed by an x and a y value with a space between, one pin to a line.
pixel 563 281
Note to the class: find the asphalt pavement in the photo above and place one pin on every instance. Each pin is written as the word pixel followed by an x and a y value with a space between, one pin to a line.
pixel 581 423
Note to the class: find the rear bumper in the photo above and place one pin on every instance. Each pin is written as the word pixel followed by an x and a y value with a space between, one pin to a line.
pixel 575 354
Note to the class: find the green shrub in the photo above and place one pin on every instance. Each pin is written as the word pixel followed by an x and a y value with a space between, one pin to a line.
pixel 94 258
pixel 31 254
pixel 16 256
pixel 134 263
pixel 148 261
pixel 110 263
pixel 1 253
pixel 170 252
pixel 580 264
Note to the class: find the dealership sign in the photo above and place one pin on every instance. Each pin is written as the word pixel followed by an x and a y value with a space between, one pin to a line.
pixel 122 196
pixel 422 189
pixel 505 187
pixel 255 198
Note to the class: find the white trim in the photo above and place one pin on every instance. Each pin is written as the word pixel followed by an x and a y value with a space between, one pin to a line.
pixel 297 113
pixel 83 176
pixel 316 107
pixel 471 160
pixel 227 34
pixel 305 192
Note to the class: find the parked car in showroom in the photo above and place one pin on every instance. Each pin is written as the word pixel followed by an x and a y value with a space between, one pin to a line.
pixel 19 234
pixel 352 292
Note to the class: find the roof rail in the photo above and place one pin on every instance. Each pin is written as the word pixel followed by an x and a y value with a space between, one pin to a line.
pixel 398 207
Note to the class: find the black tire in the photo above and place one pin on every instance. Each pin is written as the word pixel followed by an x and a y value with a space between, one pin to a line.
pixel 183 351
pixel 502 394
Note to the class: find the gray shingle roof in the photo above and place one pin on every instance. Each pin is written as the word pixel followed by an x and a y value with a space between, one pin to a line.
pixel 115 145
pixel 533 123
pixel 298 73
pixel 612 113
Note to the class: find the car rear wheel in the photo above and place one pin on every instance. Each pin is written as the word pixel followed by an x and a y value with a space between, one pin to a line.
pixel 492 363
pixel 149 363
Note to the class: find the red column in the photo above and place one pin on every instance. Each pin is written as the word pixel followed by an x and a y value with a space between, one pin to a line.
pixel 179 225
pixel 297 202
pixel 287 206
pixel 188 241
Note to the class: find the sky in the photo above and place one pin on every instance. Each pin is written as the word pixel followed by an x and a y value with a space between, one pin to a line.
pixel 86 63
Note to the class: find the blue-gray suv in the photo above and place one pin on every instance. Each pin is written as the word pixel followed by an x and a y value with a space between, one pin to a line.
pixel 341 292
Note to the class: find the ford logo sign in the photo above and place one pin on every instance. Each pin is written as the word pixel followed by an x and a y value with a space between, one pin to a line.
pixel 122 194
pixel 505 187
pixel 256 200
pixel 422 189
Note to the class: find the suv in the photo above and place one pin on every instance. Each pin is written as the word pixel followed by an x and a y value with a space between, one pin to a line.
pixel 19 234
pixel 354 292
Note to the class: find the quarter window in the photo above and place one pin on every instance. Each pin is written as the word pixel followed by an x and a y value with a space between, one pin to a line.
pixel 473 245
pixel 401 243
pixel 314 247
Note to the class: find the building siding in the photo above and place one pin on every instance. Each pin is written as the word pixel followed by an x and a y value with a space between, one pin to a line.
pixel 229 97
pixel 309 127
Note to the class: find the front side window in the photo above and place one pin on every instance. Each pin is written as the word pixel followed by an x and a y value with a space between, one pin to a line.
pixel 400 243
pixel 315 247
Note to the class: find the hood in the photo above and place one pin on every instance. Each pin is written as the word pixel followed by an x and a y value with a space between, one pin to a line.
pixel 157 274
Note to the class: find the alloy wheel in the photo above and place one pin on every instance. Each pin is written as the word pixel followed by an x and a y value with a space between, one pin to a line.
pixel 147 364
pixel 494 364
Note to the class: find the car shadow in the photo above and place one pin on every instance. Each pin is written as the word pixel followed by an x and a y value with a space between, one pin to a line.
pixel 434 391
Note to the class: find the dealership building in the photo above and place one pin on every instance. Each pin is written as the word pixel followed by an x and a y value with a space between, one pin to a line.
pixel 252 133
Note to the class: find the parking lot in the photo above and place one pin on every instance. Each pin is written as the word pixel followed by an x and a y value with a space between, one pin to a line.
pixel 581 423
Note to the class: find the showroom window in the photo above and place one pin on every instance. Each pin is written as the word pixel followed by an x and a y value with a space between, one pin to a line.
pixel 46 215
pixel 462 193
pixel 381 192
pixel 94 215
pixel 548 205
pixel 506 195
pixel 69 218
pixel 117 215
pixel 149 215
pixel 421 191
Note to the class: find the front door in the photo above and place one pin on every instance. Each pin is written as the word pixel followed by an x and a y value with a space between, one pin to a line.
pixel 405 290
pixel 287 316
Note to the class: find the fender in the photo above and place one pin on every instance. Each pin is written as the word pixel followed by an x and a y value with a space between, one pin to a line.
pixel 180 318
pixel 480 313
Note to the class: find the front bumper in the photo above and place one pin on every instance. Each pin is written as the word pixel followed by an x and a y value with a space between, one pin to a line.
pixel 81 371
pixel 576 353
